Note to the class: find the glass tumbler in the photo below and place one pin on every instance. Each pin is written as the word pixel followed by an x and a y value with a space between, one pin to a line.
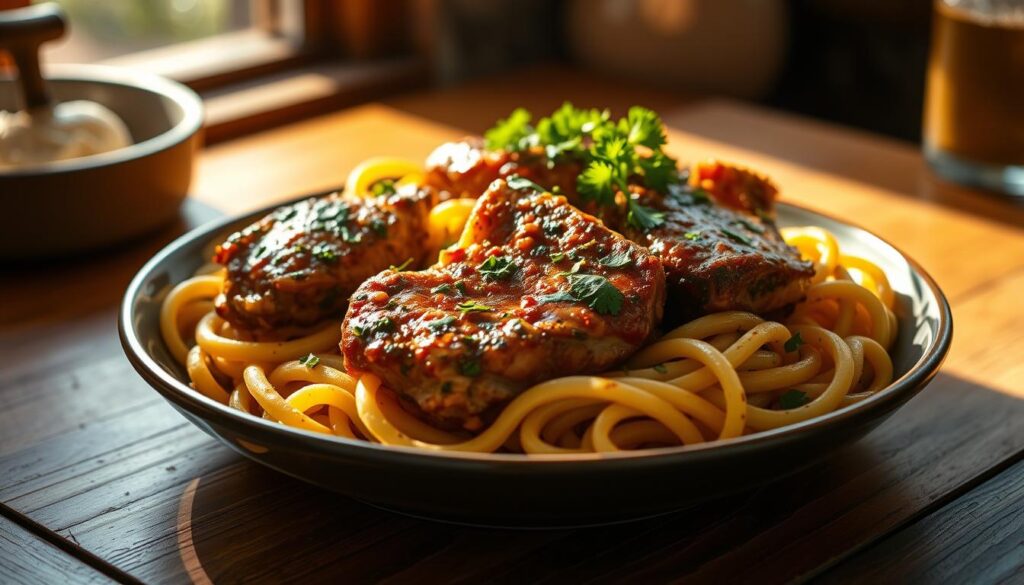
pixel 974 103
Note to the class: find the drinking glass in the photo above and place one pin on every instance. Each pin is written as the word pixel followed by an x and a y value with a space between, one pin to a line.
pixel 974 103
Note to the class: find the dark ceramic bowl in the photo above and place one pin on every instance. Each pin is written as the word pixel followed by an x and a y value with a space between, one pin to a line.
pixel 75 205
pixel 520 490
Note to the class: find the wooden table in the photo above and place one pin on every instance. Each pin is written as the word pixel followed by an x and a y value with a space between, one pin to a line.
pixel 101 480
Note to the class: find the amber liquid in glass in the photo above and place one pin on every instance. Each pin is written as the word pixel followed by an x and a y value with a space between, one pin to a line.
pixel 974 108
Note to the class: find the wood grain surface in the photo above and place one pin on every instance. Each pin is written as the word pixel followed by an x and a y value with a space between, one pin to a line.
pixel 95 457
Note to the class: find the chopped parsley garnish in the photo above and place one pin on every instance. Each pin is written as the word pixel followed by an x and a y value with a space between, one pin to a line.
pixel 692 236
pixel 594 290
pixel 739 238
pixel 793 343
pixel 793 399
pixel 310 361
pixel 608 150
pixel 470 367
pixel 472 307
pixel 383 187
pixel 558 257
pixel 461 287
pixel 520 183
pixel 442 289
pixel 379 226
pixel 575 267
pixel 401 266
pixel 597 183
pixel 616 259
pixel 700 196
pixel 441 324
pixel 497 268
pixel 750 226
pixel 384 324
pixel 512 133
pixel 325 253
pixel 661 369
pixel 642 217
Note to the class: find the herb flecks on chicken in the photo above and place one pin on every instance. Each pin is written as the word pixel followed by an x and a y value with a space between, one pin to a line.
pixel 536 290
pixel 298 265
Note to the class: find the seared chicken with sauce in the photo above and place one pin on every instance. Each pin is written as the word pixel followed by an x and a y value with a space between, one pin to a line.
pixel 534 290
pixel 721 252
pixel 299 265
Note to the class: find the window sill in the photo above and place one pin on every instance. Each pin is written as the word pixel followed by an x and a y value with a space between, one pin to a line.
pixel 212 62
pixel 258 104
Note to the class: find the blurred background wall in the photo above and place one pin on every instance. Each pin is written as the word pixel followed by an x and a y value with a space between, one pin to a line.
pixel 855 62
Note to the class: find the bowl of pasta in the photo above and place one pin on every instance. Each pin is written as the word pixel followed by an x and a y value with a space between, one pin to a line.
pixel 557 324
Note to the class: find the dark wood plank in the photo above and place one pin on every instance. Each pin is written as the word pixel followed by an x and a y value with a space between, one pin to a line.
pixel 27 560
pixel 979 538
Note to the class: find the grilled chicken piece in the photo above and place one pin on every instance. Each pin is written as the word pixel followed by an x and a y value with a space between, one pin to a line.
pixel 720 254
pixel 535 290
pixel 719 260
pixel 299 265
pixel 466 169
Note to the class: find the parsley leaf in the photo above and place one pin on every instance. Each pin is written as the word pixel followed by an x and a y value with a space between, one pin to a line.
pixel 441 324
pixel 310 361
pixel 497 268
pixel 692 236
pixel 383 187
pixel 558 257
pixel 575 267
pixel 444 289
pixel 607 149
pixel 470 367
pixel 661 369
pixel 642 217
pixel 750 226
pixel 793 399
pixel 793 343
pixel 594 290
pixel 325 253
pixel 739 238
pixel 558 297
pixel 472 307
pixel 642 126
pixel 520 183
pixel 384 324
pixel 616 259
pixel 659 171
pixel 512 133
pixel 596 183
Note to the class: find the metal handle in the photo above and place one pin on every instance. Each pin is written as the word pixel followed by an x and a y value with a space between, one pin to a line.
pixel 22 31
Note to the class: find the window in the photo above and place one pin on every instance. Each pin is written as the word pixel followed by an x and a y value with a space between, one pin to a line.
pixel 204 43
pixel 256 63
pixel 103 30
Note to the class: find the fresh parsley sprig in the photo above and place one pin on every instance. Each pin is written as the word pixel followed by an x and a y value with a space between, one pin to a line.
pixel 592 289
pixel 612 152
